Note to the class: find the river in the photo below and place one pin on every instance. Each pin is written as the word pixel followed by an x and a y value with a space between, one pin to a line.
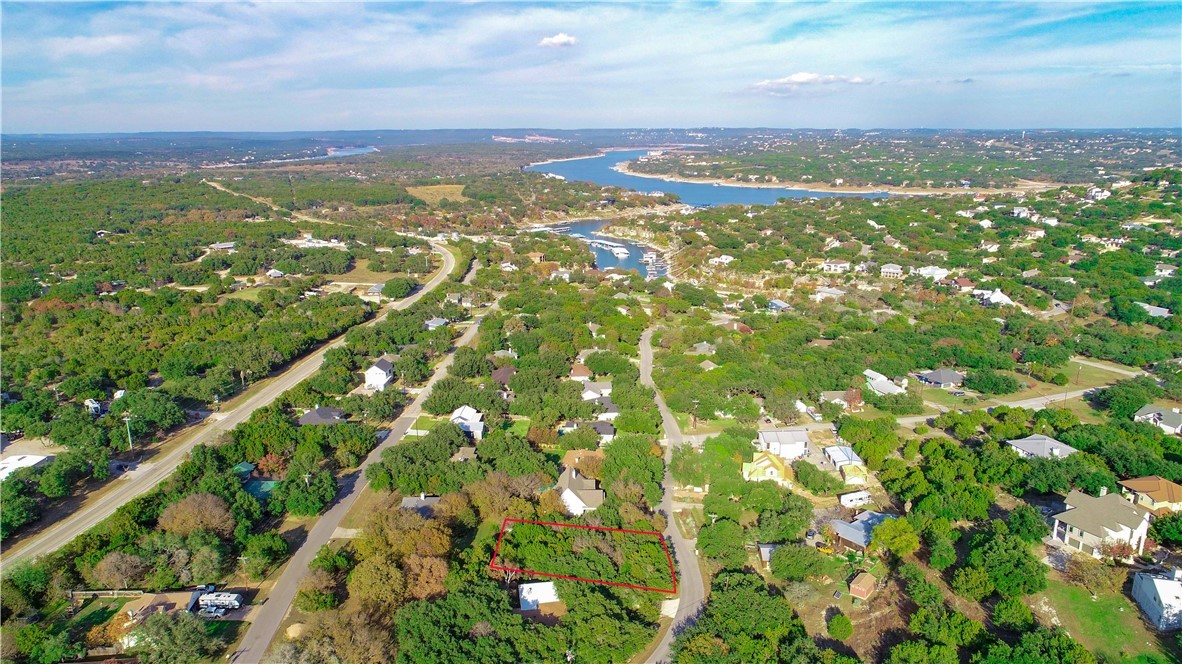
pixel 599 170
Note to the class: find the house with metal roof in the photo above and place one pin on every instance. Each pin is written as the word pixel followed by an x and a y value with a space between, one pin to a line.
pixel 856 534
pixel 1040 446
pixel 1160 597
pixel 843 455
pixel 470 420
pixel 784 443
pixel 1169 421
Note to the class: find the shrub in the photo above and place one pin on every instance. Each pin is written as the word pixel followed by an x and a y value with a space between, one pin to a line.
pixel 840 627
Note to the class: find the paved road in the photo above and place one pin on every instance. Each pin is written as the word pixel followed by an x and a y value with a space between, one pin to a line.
pixel 122 490
pixel 1124 372
pixel 692 592
pixel 270 615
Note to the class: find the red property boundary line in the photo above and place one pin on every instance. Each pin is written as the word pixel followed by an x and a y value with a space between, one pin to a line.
pixel 664 545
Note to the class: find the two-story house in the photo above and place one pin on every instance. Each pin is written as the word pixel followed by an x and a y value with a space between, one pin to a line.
pixel 1090 522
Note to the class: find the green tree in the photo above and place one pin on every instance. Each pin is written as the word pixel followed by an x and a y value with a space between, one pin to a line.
pixel 1039 647
pixel 897 536
pixel 176 638
pixel 1012 613
pixel 1027 523
pixel 722 543
pixel 796 562
pixel 840 627
pixel 972 583
pixel 398 287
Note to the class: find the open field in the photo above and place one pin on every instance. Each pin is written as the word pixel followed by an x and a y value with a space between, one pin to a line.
pixel 1109 625
pixel 437 192
pixel 361 274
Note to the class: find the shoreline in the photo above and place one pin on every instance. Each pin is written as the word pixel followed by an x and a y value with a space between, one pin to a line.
pixel 1028 187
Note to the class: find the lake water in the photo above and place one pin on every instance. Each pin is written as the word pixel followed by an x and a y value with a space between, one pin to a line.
pixel 604 258
pixel 346 152
pixel 599 170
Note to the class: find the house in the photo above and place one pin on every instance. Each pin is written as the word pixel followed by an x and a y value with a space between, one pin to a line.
pixel 14 463
pixel 856 534
pixel 768 466
pixel 508 267
pixel 863 586
pixel 470 420
pixel 835 266
pixel 881 385
pixel 707 365
pixel 843 455
pixel 825 293
pixel 1098 194
pixel 1160 597
pixel 942 378
pixel 610 410
pixel 594 327
pixel 222 246
pixel 736 326
pixel 435 323
pixel 1153 311
pixel 1156 494
pixel 455 298
pixel 784 443
pixel 1164 270
pixel 466 453
pixel 536 256
pixel 503 375
pixel 579 494
pixel 994 298
pixel 322 415
pixel 701 348
pixel 963 284
pixel 562 275
pixel 891 271
pixel 593 390
pixel 378 375
pixel 1169 421
pixel 275 274
pixel 855 499
pixel 724 259
pixel 540 602
pixel 605 430
pixel 1089 523
pixel 581 373
pixel 375 289
pixel 1043 447
pixel 766 551
pixel 849 400
pixel 421 503
pixel 94 407
pixel 932 272
pixel 777 305
pixel 855 475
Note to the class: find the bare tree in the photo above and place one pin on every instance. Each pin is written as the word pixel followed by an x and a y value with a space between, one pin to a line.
pixel 198 511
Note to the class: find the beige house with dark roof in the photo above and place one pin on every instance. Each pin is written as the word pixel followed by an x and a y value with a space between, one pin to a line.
pixel 1090 522
pixel 579 494
pixel 1156 494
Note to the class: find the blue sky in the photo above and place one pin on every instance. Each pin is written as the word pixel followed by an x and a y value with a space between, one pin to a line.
pixel 93 67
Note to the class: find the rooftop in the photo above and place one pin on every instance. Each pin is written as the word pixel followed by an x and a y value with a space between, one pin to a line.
pixel 1095 515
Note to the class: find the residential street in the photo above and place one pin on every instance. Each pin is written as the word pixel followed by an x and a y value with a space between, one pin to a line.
pixel 692 592
pixel 123 489
pixel 270 615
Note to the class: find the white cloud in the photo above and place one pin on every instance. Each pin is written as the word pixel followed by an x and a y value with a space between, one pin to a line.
pixel 64 47
pixel 793 83
pixel 560 39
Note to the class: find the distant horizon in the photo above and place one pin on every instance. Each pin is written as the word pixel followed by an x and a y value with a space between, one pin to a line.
pixel 313 132
pixel 149 67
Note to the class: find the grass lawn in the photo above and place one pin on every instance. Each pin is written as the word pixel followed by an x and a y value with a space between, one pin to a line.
pixel 1110 625
pixel 248 294
pixel 944 398
pixel 437 192
pixel 96 611
pixel 519 427
pixel 1088 377
pixel 426 422
pixel 367 503
pixel 361 274
pixel 1083 410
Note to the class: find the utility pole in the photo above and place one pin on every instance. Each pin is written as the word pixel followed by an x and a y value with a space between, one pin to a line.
pixel 694 420
pixel 307 476
pixel 127 421
pixel 243 559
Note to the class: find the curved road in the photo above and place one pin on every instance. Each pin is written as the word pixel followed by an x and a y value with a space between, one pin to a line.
pixel 145 478
pixel 270 615
pixel 691 591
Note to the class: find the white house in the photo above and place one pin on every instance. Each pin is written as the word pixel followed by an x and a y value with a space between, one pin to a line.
pixel 835 266
pixel 1169 421
pixel 855 499
pixel 1160 597
pixel 470 420
pixel 435 323
pixel 932 272
pixel 784 443
pixel 14 463
pixel 1098 194
pixel 1154 312
pixel 378 375
pixel 724 259
pixel 1164 270
pixel 1089 523
pixel 508 267
pixel 275 274
pixel 994 298
pixel 579 494
pixel 1043 447
pixel 881 385
pixel 533 595
pixel 843 455
pixel 825 293
pixel 891 271
pixel 593 390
